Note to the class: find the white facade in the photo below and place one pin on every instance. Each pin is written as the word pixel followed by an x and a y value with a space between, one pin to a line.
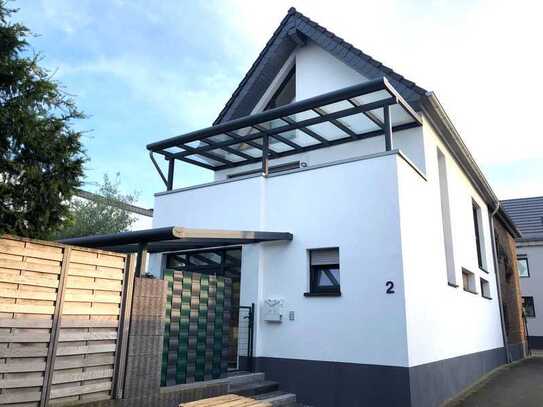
pixel 383 212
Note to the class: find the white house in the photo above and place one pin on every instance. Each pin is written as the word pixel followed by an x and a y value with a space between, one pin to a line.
pixel 527 213
pixel 387 294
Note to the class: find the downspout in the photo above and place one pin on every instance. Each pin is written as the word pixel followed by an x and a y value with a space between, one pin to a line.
pixel 498 284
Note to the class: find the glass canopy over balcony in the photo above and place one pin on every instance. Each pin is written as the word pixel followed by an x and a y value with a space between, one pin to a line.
pixel 370 109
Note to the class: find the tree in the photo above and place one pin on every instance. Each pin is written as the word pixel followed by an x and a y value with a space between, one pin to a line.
pixel 41 156
pixel 105 212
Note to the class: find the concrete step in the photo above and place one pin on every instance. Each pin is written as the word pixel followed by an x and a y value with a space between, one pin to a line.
pixel 255 388
pixel 245 378
pixel 278 399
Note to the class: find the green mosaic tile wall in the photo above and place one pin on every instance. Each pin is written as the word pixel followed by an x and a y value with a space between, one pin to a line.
pixel 197 324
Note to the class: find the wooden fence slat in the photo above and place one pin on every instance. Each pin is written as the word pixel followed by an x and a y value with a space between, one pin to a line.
pixel 24 337
pixel 25 397
pixel 28 294
pixel 80 350
pixel 28 280
pixel 22 382
pixel 20 367
pixel 88 361
pixel 78 310
pixel 86 336
pixel 28 252
pixel 89 323
pixel 76 390
pixel 80 376
pixel 84 283
pixel 23 352
pixel 102 298
pixel 25 323
pixel 109 274
pixel 27 308
pixel 91 258
pixel 29 266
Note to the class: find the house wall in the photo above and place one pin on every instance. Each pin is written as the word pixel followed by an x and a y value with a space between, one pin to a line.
pixel 533 286
pixel 318 72
pixel 454 336
pixel 335 206
pixel 510 291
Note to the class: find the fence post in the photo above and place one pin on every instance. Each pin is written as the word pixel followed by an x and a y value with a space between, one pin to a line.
pixel 55 330
pixel 119 368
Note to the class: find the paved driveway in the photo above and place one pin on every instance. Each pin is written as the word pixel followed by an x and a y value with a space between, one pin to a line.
pixel 518 385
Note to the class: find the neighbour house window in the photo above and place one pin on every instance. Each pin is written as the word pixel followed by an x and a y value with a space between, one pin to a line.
pixel 523 269
pixel 468 281
pixel 324 272
pixel 479 238
pixel 446 218
pixel 529 307
pixel 485 288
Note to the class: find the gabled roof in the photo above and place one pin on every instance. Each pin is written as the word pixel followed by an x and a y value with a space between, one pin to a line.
pixel 527 213
pixel 295 27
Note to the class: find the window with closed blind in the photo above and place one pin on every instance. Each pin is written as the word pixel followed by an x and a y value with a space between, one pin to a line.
pixel 324 272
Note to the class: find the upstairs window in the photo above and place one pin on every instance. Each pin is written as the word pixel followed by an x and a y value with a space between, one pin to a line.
pixel 523 269
pixel 468 281
pixel 324 272
pixel 285 93
pixel 485 289
pixel 479 238
pixel 528 306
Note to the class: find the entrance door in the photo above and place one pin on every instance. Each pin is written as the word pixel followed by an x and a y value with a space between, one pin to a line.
pixel 201 332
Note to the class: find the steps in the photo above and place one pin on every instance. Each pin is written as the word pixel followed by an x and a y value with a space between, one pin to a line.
pixel 256 386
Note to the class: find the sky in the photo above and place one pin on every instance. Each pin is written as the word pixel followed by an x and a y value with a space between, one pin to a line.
pixel 147 70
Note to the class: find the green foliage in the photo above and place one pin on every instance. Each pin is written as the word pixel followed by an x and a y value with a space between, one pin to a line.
pixel 41 156
pixel 105 213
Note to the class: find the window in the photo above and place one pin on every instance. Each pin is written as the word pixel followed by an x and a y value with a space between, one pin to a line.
pixel 479 238
pixel 529 307
pixel 522 264
pixel 485 289
pixel 446 218
pixel 286 93
pixel 324 272
pixel 468 281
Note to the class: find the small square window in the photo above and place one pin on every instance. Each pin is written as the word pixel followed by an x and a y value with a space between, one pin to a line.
pixel 523 269
pixel 485 289
pixel 324 275
pixel 468 281
pixel 528 306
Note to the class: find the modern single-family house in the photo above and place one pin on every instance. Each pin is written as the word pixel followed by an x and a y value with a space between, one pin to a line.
pixel 527 213
pixel 347 220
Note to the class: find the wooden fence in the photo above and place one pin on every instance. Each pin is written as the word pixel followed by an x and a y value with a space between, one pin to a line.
pixel 61 322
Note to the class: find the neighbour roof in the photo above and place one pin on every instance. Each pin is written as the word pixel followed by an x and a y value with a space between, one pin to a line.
pixel 341 116
pixel 174 238
pixel 118 204
pixel 527 213
pixel 293 29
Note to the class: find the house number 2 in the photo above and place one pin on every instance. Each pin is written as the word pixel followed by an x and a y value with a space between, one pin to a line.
pixel 390 287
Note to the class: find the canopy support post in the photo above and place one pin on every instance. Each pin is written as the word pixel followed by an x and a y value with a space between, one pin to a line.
pixel 265 158
pixel 171 168
pixel 387 128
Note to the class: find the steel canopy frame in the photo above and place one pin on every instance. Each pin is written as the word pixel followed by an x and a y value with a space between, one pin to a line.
pixel 227 145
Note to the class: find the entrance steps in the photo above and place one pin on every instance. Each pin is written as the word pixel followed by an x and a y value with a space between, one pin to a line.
pixel 255 386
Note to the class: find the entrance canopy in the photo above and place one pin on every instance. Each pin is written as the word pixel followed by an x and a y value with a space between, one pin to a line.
pixel 173 238
pixel 373 108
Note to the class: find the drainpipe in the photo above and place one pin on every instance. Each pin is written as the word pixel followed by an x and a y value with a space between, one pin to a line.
pixel 498 284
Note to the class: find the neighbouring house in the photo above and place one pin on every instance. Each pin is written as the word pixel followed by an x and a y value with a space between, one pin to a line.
pixel 349 245
pixel 527 213
pixel 143 218
pixel 505 233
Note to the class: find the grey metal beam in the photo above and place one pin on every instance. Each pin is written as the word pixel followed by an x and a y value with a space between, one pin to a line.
pixel 387 128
